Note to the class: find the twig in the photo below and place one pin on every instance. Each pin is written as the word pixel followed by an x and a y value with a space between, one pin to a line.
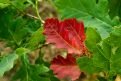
pixel 32 16
pixel 36 7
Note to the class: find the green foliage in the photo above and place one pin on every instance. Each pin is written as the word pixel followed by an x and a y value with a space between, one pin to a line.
pixel 92 35
pixel 7 63
pixel 25 33
pixel 115 34
pixel 115 8
pixel 93 14
pixel 36 38
pixel 17 29
pixel 21 4
pixel 87 65
pixel 4 3
pixel 21 51
pixel 105 55
pixel 29 72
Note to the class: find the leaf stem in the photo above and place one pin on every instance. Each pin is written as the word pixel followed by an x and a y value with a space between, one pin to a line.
pixel 37 11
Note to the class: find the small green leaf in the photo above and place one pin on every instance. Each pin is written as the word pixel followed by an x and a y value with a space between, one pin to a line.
pixel 7 63
pixel 115 37
pixel 4 3
pixel 92 38
pixel 87 65
pixel 43 69
pixel 21 51
pixel 36 38
pixel 100 60
pixel 106 47
pixel 39 69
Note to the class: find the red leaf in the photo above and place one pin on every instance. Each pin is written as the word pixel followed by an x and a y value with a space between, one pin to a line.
pixel 65 67
pixel 68 34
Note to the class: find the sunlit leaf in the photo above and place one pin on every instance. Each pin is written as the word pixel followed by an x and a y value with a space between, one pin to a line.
pixel 7 63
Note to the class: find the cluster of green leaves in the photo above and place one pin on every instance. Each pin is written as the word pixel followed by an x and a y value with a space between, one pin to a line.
pixel 29 72
pixel 103 31
pixel 94 13
pixel 23 33
pixel 16 26
pixel 105 53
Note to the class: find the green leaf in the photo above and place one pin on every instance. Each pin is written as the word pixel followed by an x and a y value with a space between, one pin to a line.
pixel 106 47
pixel 94 44
pixel 7 63
pixel 115 61
pixel 93 14
pixel 114 8
pixel 36 38
pixel 43 69
pixel 4 3
pixel 100 60
pixel 115 36
pixel 21 73
pixel 92 38
pixel 39 69
pixel 93 35
pixel 31 73
pixel 24 27
pixel 21 4
pixel 20 51
pixel 87 65
pixel 5 22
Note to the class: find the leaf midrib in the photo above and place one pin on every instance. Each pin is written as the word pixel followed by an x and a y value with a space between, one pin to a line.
pixel 63 39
